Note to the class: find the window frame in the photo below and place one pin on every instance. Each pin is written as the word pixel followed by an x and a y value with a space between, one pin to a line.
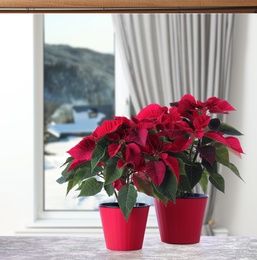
pixel 56 219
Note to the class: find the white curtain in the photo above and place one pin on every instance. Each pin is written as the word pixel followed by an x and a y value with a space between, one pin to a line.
pixel 165 56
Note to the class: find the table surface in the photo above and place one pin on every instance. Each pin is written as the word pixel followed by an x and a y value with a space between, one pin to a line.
pixel 52 247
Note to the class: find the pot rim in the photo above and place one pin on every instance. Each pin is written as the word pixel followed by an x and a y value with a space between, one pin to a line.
pixel 194 196
pixel 116 205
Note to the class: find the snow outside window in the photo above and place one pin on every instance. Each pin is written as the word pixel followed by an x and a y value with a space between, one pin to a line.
pixel 78 62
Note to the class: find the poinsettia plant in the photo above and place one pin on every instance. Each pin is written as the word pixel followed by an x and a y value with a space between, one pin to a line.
pixel 162 152
pixel 210 141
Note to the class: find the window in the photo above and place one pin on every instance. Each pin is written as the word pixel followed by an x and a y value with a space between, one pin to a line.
pixel 64 118
pixel 78 95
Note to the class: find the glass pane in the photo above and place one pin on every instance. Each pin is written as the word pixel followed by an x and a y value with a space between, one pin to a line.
pixel 78 95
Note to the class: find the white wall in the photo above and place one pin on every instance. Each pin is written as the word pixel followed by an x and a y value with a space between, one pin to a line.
pixel 237 209
pixel 16 120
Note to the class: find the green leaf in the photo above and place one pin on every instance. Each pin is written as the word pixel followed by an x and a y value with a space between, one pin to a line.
pixel 234 169
pixel 223 158
pixel 214 124
pixel 208 152
pixel 83 173
pixel 194 173
pixel 204 181
pixel 80 175
pixel 84 170
pixel 76 178
pixel 109 189
pixel 69 186
pixel 228 129
pixel 184 184
pixel 182 158
pixel 61 180
pixel 112 172
pixel 90 187
pixel 168 187
pixel 66 176
pixel 206 140
pixel 159 196
pixel 99 152
pixel 217 181
pixel 211 168
pixel 65 172
pixel 127 198
pixel 222 155
pixel 68 161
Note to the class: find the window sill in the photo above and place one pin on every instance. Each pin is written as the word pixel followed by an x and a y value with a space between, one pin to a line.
pixel 81 224
pixel 74 228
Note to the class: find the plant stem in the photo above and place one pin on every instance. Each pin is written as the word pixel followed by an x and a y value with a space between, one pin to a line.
pixel 116 195
pixel 191 151
pixel 196 153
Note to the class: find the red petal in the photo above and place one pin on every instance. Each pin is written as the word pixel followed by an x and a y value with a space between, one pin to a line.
pixel 174 165
pixel 107 127
pixel 156 171
pixel 83 150
pixel 113 149
pixel 138 137
pixel 231 142
pixel 181 144
pixel 187 102
pixel 131 157
pixel 118 184
pixel 200 122
pixel 234 144
pixel 74 164
pixel 216 105
pixel 120 163
pixel 151 111
pixel 132 152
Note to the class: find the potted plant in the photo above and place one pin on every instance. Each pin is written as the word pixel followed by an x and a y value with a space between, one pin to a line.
pixel 126 156
pixel 209 143
pixel 156 152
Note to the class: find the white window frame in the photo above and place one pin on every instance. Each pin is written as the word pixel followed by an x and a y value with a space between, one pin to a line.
pixel 78 222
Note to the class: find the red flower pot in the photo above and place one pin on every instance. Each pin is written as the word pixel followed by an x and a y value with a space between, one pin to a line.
pixel 181 223
pixel 120 234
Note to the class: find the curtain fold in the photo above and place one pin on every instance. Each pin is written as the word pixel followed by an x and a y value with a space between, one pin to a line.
pixel 165 56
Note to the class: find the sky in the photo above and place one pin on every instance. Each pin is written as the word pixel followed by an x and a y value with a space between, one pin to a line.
pixel 93 31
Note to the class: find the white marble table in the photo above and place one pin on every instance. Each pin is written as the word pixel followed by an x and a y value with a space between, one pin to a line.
pixel 75 248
